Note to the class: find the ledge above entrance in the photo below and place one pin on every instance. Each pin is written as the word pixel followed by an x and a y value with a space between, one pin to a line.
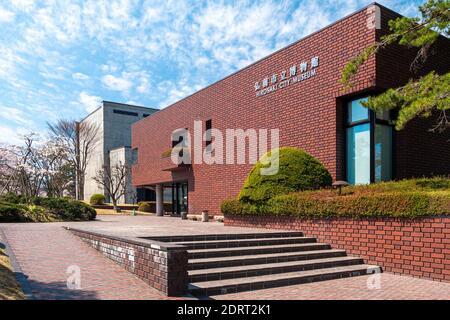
pixel 168 165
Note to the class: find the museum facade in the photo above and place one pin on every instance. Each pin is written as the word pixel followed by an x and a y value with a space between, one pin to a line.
pixel 297 92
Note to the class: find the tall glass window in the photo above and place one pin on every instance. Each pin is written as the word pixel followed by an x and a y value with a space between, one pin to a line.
pixel 383 153
pixel 369 145
pixel 358 154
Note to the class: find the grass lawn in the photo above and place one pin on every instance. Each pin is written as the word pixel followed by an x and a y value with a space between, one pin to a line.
pixel 107 212
pixel 9 288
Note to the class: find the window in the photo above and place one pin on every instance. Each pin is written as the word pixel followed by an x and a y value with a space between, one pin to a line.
pixel 383 152
pixel 145 115
pixel 208 127
pixel 356 112
pixel 358 154
pixel 369 144
pixel 127 113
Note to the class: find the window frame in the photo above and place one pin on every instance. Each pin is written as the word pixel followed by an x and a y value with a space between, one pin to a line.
pixel 373 121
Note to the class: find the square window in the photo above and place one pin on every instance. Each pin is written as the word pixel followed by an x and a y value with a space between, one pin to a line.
pixel 357 112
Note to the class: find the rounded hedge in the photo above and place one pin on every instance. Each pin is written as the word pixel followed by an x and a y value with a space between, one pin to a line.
pixel 67 210
pixel 97 200
pixel 298 171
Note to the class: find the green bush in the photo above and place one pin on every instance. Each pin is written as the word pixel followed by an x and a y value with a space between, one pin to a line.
pixel 67 210
pixel 231 206
pixel 396 204
pixel 40 209
pixel 399 199
pixel 145 207
pixel 13 198
pixel 10 212
pixel 97 200
pixel 298 171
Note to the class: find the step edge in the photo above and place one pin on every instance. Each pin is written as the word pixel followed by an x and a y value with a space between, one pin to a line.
pixel 353 268
pixel 278 265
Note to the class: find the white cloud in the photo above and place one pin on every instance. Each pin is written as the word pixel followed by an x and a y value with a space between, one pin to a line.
pixel 116 83
pixel 89 102
pixel 79 76
pixel 6 16
pixel 12 136
pixel 134 46
pixel 177 91
pixel 24 5
pixel 10 61
pixel 144 85
pixel 15 115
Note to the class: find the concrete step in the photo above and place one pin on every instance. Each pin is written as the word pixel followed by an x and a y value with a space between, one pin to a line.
pixel 270 268
pixel 278 280
pixel 245 242
pixel 231 236
pixel 240 251
pixel 246 260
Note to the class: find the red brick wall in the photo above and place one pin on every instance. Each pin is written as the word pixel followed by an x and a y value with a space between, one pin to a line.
pixel 419 248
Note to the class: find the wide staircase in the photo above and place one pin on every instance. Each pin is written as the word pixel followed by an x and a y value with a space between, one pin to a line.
pixel 221 264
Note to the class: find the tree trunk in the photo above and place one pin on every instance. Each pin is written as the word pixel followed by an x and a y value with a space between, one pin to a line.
pixel 80 187
pixel 115 206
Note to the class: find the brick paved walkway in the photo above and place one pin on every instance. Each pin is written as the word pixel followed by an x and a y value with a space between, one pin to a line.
pixel 393 287
pixel 44 251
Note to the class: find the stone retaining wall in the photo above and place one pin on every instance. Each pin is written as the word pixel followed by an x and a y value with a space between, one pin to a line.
pixel 419 247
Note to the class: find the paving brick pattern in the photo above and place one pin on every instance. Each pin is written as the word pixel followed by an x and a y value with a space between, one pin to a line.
pixel 393 287
pixel 45 251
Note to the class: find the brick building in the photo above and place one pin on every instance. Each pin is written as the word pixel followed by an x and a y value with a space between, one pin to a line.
pixel 297 91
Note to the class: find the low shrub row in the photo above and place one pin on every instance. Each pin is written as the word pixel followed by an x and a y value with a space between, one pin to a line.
pixel 40 209
pixel 403 199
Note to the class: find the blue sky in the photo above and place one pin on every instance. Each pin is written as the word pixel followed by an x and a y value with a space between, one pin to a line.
pixel 59 59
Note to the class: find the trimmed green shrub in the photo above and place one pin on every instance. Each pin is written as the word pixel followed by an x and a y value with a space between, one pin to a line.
pixel 396 204
pixel 231 206
pixel 10 212
pixel 145 207
pixel 97 200
pixel 412 198
pixel 298 171
pixel 40 209
pixel 67 210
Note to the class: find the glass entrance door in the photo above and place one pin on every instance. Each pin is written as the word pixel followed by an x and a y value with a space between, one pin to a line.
pixel 179 198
